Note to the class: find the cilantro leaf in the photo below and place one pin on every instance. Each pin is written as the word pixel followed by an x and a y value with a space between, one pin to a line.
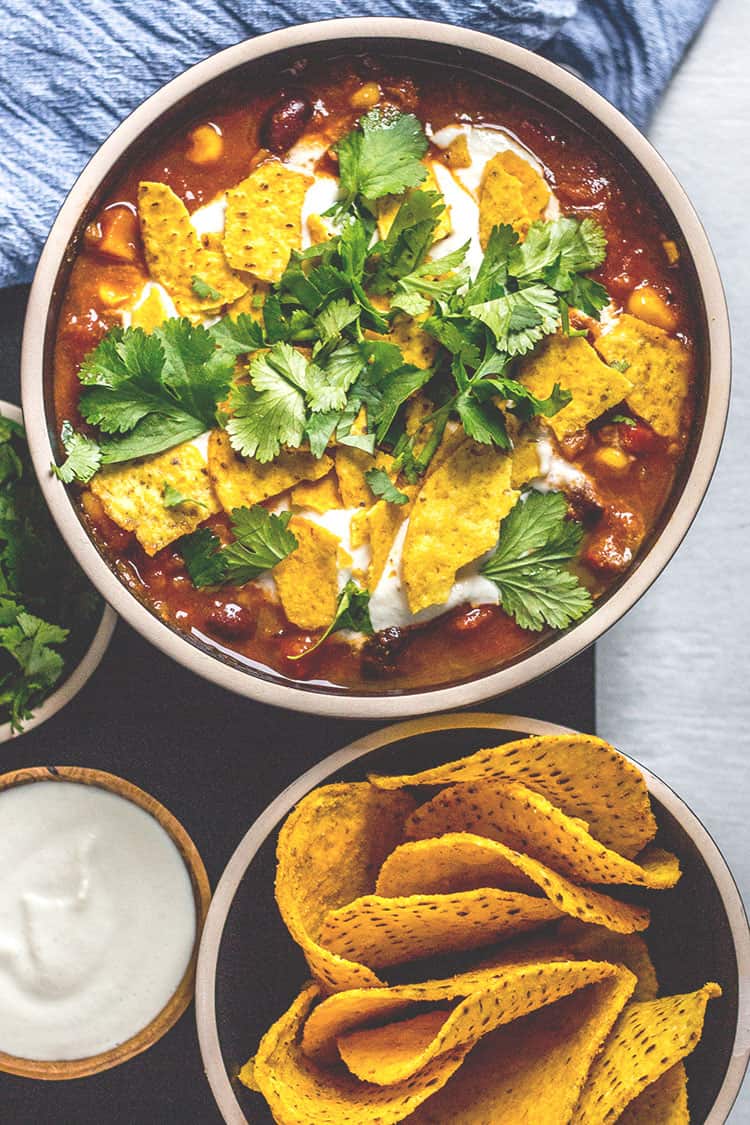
pixel 624 420
pixel 382 156
pixel 521 319
pixel 261 540
pixel 409 239
pixel 269 411
pixel 237 337
pixel 84 457
pixel 562 247
pixel 352 612
pixel 204 291
pixel 482 421
pixel 528 566
pixel 335 317
pixel 171 497
pixel 383 487
pixel 29 642
pixel 435 280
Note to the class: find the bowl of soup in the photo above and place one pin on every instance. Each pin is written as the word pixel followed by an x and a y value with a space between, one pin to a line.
pixel 375 364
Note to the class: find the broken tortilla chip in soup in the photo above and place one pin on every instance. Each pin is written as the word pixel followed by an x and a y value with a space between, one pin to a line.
pixel 575 365
pixel 649 1039
pixel 176 256
pixel 132 495
pixel 664 1102
pixel 329 852
pixel 531 1072
pixel 307 579
pixel 380 932
pixel 459 861
pixel 455 519
pixel 263 221
pixel 242 481
pixel 488 998
pixel 515 815
pixel 659 369
pixel 579 773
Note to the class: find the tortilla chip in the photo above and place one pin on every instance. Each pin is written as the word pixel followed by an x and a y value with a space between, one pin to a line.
pixel 320 495
pixel 525 462
pixel 246 1076
pixel 461 861
pixel 319 229
pixel 513 192
pixel 151 311
pixel 329 852
pixel 175 253
pixel 573 363
pixel 664 1101
pixel 307 580
pixel 457 154
pixel 252 301
pixel 380 932
pixel 531 1071
pixel 263 221
pixel 649 1039
pixel 491 998
pixel 579 773
pixel 243 481
pixel 299 1092
pixel 388 206
pixel 526 821
pixel 660 371
pixel 455 519
pixel 595 943
pixel 132 495
pixel 351 466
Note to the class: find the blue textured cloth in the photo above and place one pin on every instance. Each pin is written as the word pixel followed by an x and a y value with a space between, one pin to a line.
pixel 70 70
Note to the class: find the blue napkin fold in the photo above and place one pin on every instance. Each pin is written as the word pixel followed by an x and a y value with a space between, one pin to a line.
pixel 71 70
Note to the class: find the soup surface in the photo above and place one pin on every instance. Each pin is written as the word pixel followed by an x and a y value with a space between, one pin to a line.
pixel 376 378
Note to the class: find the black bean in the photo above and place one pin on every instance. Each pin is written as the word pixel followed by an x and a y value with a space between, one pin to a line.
pixel 380 653
pixel 285 122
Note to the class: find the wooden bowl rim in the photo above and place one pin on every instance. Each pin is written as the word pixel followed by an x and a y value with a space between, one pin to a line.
pixel 163 1021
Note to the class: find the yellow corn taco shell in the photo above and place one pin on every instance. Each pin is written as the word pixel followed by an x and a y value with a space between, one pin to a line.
pixel 307 580
pixel 329 852
pixel 580 774
pixel 263 221
pixel 460 861
pixel 242 481
pixel 648 1040
pixel 595 943
pixel 132 495
pixel 380 931
pixel 664 1102
pixel 660 369
pixel 175 253
pixel 455 519
pixel 531 1071
pixel 573 363
pixel 299 1092
pixel 515 815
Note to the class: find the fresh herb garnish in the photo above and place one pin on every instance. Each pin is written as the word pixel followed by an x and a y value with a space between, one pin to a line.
pixel 382 156
pixel 383 487
pixel 621 365
pixel 261 540
pixel 624 420
pixel 171 497
pixel 352 612
pixel 529 564
pixel 84 456
pixel 204 291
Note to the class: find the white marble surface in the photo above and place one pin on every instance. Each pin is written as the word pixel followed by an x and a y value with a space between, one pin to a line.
pixel 672 678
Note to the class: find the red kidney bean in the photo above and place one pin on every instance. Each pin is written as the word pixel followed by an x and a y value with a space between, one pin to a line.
pixel 639 438
pixel 285 122
pixel 380 653
pixel 616 540
pixel 472 619
pixel 228 619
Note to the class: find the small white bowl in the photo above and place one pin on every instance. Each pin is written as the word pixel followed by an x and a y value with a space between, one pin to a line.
pixel 72 684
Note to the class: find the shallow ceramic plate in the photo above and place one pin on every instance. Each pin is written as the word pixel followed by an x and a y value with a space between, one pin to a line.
pixel 249 969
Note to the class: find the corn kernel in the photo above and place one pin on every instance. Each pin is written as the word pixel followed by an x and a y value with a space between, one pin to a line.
pixel 119 233
pixel 205 145
pixel 366 96
pixel 646 304
pixel 671 250
pixel 612 458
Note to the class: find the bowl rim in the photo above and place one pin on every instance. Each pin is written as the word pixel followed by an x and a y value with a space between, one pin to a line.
pixel 88 663
pixel 267 822
pixel 390 704
pixel 165 1019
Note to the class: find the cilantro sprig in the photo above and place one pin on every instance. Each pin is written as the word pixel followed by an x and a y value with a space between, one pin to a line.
pixel 261 540
pixel 529 566
pixel 352 612
pixel 383 487
pixel 381 156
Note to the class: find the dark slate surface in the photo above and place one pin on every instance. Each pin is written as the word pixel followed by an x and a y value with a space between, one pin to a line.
pixel 215 760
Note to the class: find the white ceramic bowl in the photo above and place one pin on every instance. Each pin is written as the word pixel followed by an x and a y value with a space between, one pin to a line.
pixel 247 959
pixel 443 44
pixel 72 684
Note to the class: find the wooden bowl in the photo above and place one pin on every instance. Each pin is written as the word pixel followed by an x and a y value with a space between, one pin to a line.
pixel 168 1016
